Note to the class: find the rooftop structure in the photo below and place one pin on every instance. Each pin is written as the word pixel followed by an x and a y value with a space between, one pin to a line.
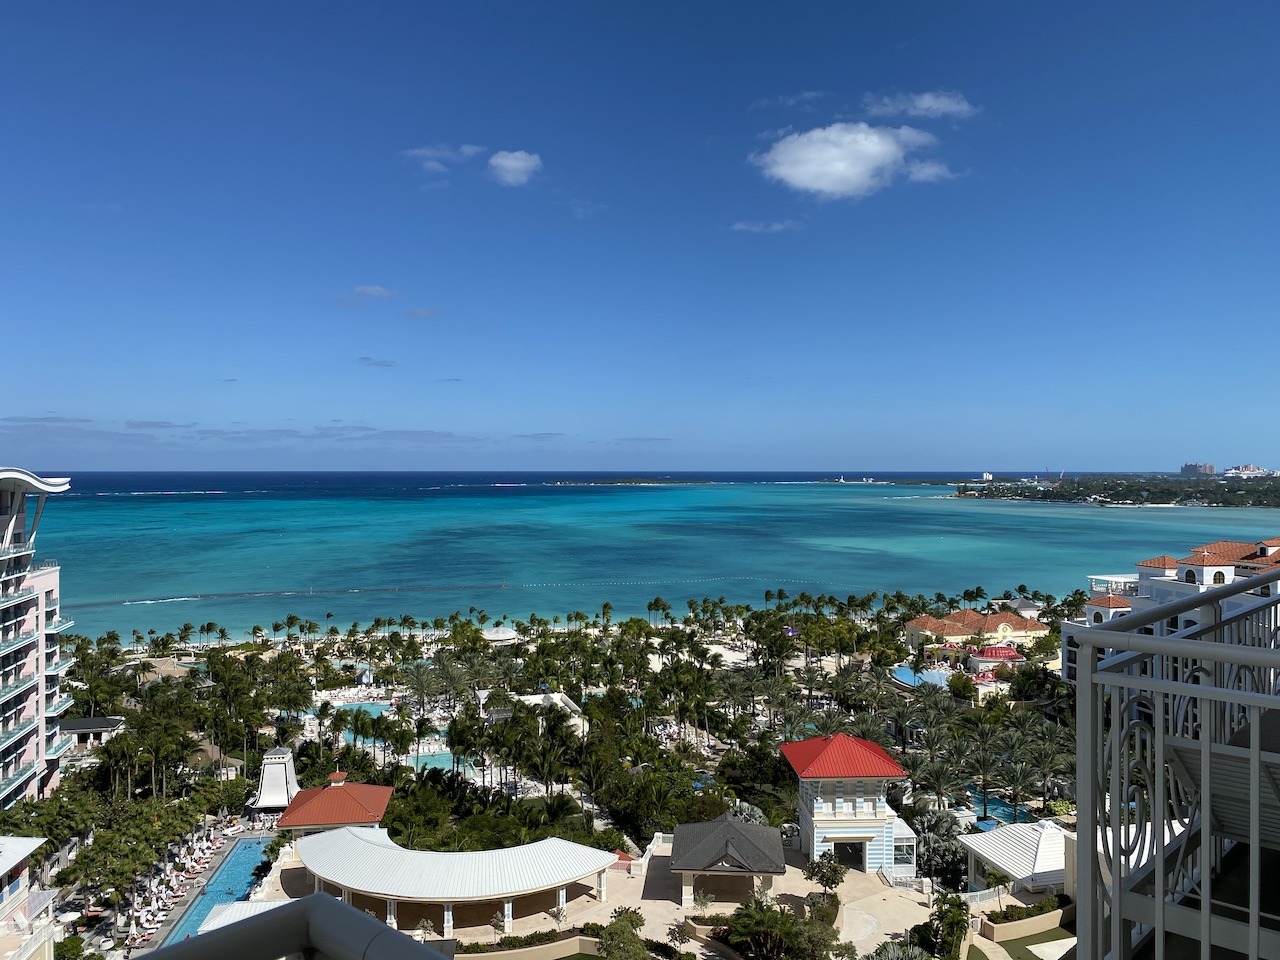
pixel 1031 855
pixel 1004 626
pixel 31 660
pixel 336 804
pixel 1178 724
pixel 365 861
pixel 725 847
pixel 1197 470
pixel 842 803
pixel 26 925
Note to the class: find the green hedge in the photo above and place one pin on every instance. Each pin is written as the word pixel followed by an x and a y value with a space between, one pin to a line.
pixel 666 951
pixel 711 919
pixel 511 942
pixel 1019 912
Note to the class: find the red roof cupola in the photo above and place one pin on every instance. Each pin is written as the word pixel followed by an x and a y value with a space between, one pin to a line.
pixel 840 757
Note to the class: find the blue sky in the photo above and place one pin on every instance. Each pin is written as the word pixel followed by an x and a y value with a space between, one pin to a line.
pixel 647 236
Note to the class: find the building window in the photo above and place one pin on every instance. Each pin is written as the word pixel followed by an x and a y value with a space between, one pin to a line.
pixel 1097 616
pixel 1172 623
pixel 1219 578
pixel 1265 590
pixel 1191 576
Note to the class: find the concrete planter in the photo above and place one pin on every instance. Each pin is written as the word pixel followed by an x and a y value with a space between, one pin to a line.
pixel 702 935
pixel 1017 929
pixel 546 951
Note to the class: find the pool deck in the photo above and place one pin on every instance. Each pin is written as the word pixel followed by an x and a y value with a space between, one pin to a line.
pixel 191 897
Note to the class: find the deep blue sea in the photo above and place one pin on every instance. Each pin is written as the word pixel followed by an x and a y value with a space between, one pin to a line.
pixel 155 550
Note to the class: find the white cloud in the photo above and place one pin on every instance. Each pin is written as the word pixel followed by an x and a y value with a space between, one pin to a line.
pixel 803 99
pixel 762 226
pixel 435 158
pixel 842 160
pixel 933 104
pixel 928 171
pixel 514 168
pixel 373 290
pixel 585 209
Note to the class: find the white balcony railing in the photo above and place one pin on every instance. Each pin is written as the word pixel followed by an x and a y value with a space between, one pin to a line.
pixel 1178 764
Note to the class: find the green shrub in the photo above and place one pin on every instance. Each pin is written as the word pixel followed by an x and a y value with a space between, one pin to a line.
pixel 68 948
pixel 592 929
pixel 473 948
pixel 537 938
pixel 821 908
pixel 1060 808
pixel 1019 912
pixel 711 920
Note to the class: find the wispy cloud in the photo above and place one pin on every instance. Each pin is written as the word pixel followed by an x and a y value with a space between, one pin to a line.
pixel 762 226
pixel 372 362
pixel 514 168
pixel 156 425
pixel 932 104
pixel 420 313
pixel 450 380
pixel 777 134
pixel 804 100
pixel 373 290
pixel 928 171
pixel 536 436
pixel 642 440
pixel 843 159
pixel 229 380
pixel 436 157
pixel 585 209
pixel 44 420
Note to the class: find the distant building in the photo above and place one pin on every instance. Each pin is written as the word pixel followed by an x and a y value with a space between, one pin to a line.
pixel 1165 579
pixel 26 928
pixel 1004 626
pixel 1198 470
pixel 31 661
pixel 277 783
pixel 336 804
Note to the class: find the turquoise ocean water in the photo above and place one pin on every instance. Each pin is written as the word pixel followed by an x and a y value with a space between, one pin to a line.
pixel 156 550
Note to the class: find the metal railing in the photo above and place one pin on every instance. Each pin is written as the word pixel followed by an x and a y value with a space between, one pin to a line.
pixel 1174 773
pixel 16 549
pixel 17 686
pixel 7 737
pixel 58 706
pixel 9 598
pixel 58 747
pixel 318 927
pixel 21 640
pixel 16 778
pixel 60 624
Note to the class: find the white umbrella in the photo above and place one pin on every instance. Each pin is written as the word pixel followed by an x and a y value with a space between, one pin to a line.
pixel 133 927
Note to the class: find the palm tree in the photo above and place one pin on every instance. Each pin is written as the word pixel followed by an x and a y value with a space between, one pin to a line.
pixel 1020 778
pixel 985 767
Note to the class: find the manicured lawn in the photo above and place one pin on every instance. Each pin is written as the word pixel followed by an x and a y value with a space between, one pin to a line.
pixel 1017 949
pixel 976 954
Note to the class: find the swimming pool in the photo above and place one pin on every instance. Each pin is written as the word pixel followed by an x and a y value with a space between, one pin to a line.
pixel 1000 809
pixel 908 677
pixel 230 882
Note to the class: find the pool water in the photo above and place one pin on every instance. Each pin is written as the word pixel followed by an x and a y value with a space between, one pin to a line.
pixel 232 881
pixel 904 674
pixel 1000 809
pixel 444 760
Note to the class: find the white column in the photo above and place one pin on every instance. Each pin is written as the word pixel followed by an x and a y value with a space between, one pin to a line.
pixel 391 913
pixel 686 889
pixel 346 895
pixel 602 894
pixel 766 885
pixel 560 898
pixel 506 916
pixel 319 883
pixel 448 921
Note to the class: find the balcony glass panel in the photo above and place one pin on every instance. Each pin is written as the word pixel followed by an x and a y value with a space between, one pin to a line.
pixel 15 779
pixel 21 640
pixel 16 687
pixel 10 736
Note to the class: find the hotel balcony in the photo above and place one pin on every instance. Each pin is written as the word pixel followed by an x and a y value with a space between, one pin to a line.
pixel 319 927
pixel 17 550
pixel 1178 773
pixel 15 687
pixel 14 781
pixel 11 734
pixel 9 597
pixel 21 640
pixel 58 625
pixel 58 666
pixel 55 749
pixel 59 706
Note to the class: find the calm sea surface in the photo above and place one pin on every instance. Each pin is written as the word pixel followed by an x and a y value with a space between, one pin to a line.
pixel 155 550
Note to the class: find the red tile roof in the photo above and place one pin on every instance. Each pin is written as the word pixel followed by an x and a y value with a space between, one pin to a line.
pixel 1000 653
pixel 1111 602
pixel 1235 549
pixel 840 756
pixel 339 805
pixel 1208 560
pixel 1162 562
pixel 968 623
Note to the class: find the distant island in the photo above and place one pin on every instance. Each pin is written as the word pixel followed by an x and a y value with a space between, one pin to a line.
pixel 1119 490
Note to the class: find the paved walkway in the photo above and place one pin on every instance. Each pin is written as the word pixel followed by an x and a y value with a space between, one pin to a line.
pixel 992 949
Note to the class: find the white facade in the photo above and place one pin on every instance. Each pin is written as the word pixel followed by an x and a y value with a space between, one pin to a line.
pixel 855 813
pixel 31 661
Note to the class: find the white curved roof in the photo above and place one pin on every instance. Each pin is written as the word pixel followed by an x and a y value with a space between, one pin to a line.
pixel 366 860
pixel 29 479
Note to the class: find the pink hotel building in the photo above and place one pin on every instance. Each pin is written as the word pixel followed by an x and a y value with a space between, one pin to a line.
pixel 31 661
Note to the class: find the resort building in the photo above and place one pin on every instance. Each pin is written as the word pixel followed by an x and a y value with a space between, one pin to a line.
pixel 366 868
pixel 727 848
pixel 31 661
pixel 1178 761
pixel 26 925
pixel 277 781
pixel 87 734
pixel 337 804
pixel 843 807
pixel 1003 626
pixel 1166 579
pixel 1032 855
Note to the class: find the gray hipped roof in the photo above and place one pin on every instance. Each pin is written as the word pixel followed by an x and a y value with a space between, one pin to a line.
pixel 725 845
